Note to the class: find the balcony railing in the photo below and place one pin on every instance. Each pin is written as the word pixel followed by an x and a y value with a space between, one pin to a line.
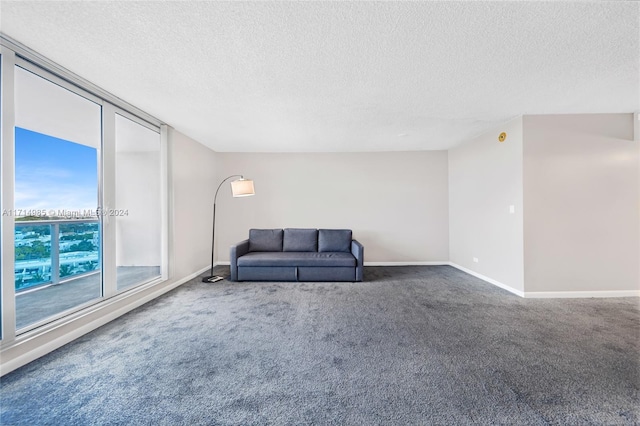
pixel 52 251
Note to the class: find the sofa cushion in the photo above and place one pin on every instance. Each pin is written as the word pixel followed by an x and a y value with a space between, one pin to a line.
pixel 265 239
pixel 297 259
pixel 334 240
pixel 296 239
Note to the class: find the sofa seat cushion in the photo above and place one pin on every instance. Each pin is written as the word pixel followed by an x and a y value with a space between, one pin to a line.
pixel 297 259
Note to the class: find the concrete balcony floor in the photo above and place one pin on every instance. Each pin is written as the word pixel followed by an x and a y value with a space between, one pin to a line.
pixel 41 303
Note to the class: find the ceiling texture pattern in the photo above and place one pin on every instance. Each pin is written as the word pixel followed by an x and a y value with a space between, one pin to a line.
pixel 342 76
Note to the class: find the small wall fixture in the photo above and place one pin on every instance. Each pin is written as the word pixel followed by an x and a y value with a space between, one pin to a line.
pixel 502 137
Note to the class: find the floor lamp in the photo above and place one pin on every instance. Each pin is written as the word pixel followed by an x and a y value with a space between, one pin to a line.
pixel 239 188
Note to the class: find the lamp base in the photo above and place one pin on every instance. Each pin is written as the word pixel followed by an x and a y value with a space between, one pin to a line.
pixel 213 279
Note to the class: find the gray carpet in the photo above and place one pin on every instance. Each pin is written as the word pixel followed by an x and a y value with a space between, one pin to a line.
pixel 410 345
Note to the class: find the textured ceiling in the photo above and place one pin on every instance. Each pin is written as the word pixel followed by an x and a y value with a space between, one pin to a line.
pixel 342 76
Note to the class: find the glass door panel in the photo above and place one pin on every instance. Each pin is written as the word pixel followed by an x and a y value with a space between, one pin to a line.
pixel 138 214
pixel 57 231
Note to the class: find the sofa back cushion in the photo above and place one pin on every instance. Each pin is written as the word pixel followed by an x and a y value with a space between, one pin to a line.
pixel 297 239
pixel 265 240
pixel 336 240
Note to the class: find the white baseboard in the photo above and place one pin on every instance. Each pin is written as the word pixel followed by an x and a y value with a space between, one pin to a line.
pixel 223 263
pixel 429 263
pixel 43 349
pixel 551 294
pixel 489 280
pixel 579 294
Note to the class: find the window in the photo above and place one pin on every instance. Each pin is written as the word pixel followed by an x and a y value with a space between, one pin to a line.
pixel 83 195
pixel 137 210
pixel 57 239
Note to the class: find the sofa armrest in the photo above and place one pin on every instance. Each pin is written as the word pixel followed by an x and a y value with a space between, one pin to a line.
pixel 357 250
pixel 236 251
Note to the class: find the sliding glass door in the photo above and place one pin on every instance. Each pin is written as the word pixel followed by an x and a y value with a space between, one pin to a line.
pixel 84 197
pixel 138 208
pixel 57 235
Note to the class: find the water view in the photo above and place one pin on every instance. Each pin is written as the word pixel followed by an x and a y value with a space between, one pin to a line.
pixel 75 251
pixel 53 174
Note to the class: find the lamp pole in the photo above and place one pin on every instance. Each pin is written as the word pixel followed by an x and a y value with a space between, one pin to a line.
pixel 213 278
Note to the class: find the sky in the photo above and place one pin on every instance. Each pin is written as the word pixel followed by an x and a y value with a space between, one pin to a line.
pixel 54 174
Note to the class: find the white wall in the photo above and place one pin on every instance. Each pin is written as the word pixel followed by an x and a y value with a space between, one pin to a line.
pixel 395 202
pixel 581 203
pixel 485 179
pixel 194 171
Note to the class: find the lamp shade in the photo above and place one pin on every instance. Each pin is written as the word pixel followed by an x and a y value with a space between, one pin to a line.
pixel 242 188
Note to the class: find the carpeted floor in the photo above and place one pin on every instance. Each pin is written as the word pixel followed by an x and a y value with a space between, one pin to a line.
pixel 410 345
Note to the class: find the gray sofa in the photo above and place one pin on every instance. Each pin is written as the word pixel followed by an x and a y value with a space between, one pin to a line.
pixel 295 254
